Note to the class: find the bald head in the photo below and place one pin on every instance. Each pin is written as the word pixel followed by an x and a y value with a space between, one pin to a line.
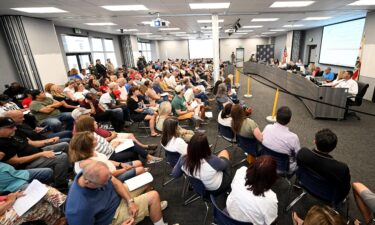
pixel 96 174
pixel 16 115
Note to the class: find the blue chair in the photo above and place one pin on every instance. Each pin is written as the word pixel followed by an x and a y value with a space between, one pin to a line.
pixel 171 159
pixel 200 193
pixel 318 187
pixel 248 145
pixel 282 161
pixel 222 218
pixel 227 134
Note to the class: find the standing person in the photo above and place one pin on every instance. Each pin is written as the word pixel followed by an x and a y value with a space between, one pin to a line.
pixel 100 69
pixel 110 67
pixel 233 58
pixel 214 171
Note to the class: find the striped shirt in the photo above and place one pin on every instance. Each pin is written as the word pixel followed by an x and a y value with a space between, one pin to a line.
pixel 103 146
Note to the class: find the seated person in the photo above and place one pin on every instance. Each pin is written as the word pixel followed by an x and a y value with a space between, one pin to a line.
pixel 251 199
pixel 138 112
pixel 82 152
pixel 328 75
pixel 278 138
pixel 18 152
pixel 15 91
pixel 348 82
pixel 165 110
pixel 182 110
pixel 319 215
pixel 243 126
pixel 105 200
pixel 224 116
pixel 70 89
pixel 6 105
pixel 58 94
pixel 365 200
pixel 316 72
pixel 169 138
pixel 214 171
pixel 46 112
pixel 12 182
pixel 80 92
pixel 109 103
pixel 320 161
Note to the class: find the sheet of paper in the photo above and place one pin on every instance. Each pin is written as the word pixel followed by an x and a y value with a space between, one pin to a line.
pixel 128 143
pixel 194 104
pixel 233 91
pixel 164 94
pixel 209 114
pixel 33 193
pixel 139 181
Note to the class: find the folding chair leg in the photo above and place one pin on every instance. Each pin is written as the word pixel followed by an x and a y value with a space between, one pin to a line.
pixel 168 181
pixel 185 187
pixel 236 164
pixel 205 217
pixel 217 137
pixel 295 201
pixel 192 199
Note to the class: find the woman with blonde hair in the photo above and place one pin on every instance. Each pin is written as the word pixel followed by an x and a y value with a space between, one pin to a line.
pixel 58 94
pixel 319 215
pixel 82 152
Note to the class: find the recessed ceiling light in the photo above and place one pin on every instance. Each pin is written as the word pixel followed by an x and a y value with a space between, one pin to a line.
pixel 277 30
pixel 143 33
pixel 40 10
pixel 269 33
pixel 244 31
pixel 264 19
pixel 208 28
pixel 101 24
pixel 363 2
pixel 125 7
pixel 147 22
pixel 293 25
pixel 170 28
pixel 318 18
pixel 290 4
pixel 209 21
pixel 252 27
pixel 127 30
pixel 221 5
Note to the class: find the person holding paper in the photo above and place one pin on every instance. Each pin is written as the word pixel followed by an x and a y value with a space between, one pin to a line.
pixel 87 123
pixel 105 200
pixel 13 181
pixel 82 152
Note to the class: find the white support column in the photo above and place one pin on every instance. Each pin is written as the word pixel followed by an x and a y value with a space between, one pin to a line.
pixel 215 41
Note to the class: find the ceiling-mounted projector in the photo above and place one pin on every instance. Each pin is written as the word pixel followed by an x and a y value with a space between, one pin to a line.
pixel 158 22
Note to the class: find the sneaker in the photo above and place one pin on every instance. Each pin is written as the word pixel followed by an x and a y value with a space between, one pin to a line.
pixel 154 160
pixel 163 205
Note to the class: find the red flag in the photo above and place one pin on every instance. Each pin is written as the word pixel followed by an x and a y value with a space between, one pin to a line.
pixel 357 69
pixel 285 55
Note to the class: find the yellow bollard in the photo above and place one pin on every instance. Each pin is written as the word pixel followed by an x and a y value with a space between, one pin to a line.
pixel 272 118
pixel 248 95
pixel 237 78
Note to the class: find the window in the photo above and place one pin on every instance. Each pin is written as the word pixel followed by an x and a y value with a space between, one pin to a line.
pixel 146 50
pixel 92 47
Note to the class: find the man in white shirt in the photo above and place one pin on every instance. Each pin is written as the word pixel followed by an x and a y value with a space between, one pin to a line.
pixel 349 83
pixel 278 138
pixel 171 80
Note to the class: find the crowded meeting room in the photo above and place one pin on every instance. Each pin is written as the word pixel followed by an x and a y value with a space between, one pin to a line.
pixel 187 112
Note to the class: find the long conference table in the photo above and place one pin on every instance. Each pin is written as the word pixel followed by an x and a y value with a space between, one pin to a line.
pixel 302 87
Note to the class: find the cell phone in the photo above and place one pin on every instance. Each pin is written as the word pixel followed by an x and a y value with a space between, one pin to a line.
pixel 58 153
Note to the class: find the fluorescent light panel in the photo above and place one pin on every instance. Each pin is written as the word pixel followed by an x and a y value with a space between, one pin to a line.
pixel 318 18
pixel 208 28
pixel 221 5
pixel 147 22
pixel 291 4
pixel 264 19
pixel 124 7
pixel 244 31
pixel 101 24
pixel 180 32
pixel 252 27
pixel 277 30
pixel 209 21
pixel 362 2
pixel 269 33
pixel 294 25
pixel 40 10
pixel 143 33
pixel 170 28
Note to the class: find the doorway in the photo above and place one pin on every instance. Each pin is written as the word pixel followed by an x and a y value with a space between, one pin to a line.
pixel 78 60
pixel 312 54
pixel 240 56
